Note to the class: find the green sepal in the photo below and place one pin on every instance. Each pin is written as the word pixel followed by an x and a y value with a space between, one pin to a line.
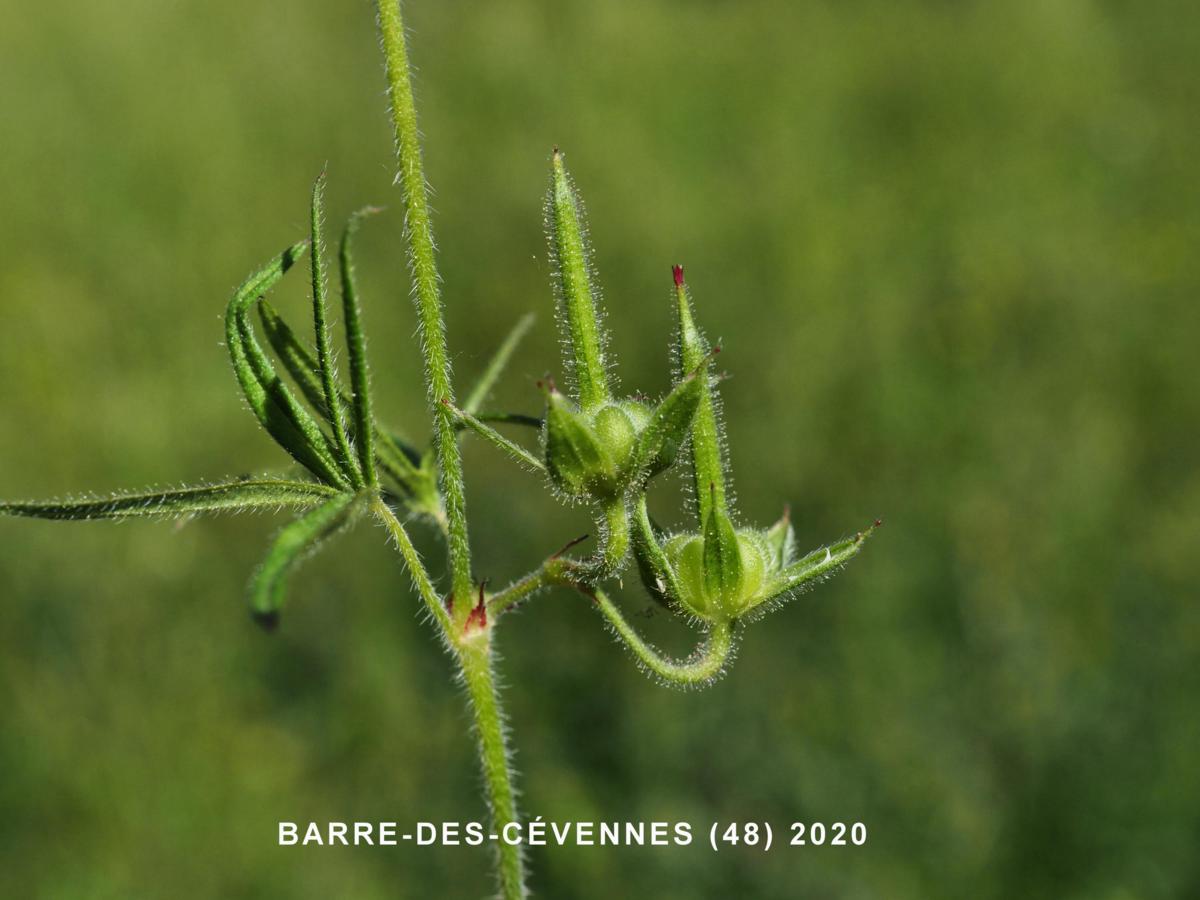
pixel 722 560
pixel 658 576
pixel 234 496
pixel 573 455
pixel 823 561
pixel 296 541
pixel 668 428
pixel 781 540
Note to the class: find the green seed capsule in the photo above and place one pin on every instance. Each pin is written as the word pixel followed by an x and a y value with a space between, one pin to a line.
pixel 721 573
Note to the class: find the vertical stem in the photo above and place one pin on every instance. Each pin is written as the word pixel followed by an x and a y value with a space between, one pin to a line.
pixel 474 655
pixel 472 644
pixel 418 233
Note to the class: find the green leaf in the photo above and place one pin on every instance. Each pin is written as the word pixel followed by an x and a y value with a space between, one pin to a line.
pixel 343 453
pixel 234 496
pixel 299 361
pixel 496 364
pixel 295 542
pixel 270 401
pixel 356 345
pixel 510 419
pixel 573 285
pixel 283 406
pixel 399 459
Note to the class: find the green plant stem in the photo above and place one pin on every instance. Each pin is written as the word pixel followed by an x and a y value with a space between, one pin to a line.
pixel 554 571
pixel 416 568
pixel 697 670
pixel 493 437
pixel 496 365
pixel 474 655
pixel 418 233
pixel 472 650
pixel 616 536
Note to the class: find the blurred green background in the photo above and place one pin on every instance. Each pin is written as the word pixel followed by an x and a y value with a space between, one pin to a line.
pixel 950 250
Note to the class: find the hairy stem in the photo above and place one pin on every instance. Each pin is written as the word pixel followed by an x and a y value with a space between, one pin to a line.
pixel 416 569
pixel 616 536
pixel 697 670
pixel 471 647
pixel 418 233
pixel 475 658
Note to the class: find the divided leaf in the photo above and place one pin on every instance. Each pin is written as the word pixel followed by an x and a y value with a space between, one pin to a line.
pixel 292 427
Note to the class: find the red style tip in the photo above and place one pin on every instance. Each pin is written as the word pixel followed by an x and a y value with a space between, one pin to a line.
pixel 677 272
pixel 878 522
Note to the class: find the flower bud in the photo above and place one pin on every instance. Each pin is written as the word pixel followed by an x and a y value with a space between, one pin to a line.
pixel 603 453
pixel 574 457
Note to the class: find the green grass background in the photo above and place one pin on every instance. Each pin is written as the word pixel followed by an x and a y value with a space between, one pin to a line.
pixel 950 250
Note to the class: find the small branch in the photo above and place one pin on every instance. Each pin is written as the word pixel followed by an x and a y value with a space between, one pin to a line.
pixel 496 439
pixel 416 568
pixel 701 667
pixel 509 419
pixel 614 545
pixel 554 571
pixel 496 365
